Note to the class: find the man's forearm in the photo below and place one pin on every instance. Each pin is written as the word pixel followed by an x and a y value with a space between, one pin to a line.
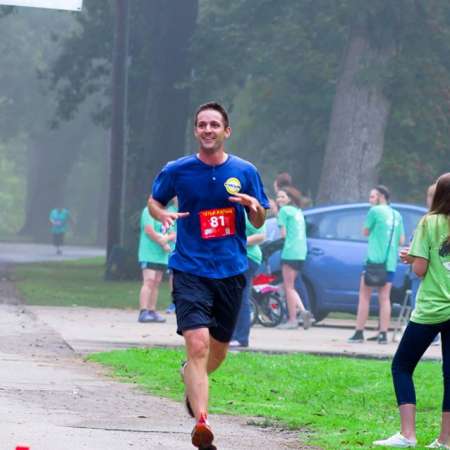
pixel 155 208
pixel 258 217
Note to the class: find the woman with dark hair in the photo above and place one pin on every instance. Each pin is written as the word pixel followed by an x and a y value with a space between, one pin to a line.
pixel 430 258
pixel 293 255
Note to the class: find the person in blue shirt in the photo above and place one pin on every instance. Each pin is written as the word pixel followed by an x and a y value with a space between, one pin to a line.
pixel 214 190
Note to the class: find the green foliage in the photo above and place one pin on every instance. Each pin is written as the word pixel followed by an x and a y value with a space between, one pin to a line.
pixel 343 403
pixel 78 283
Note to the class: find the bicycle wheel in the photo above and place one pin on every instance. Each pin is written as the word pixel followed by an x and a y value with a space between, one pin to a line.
pixel 253 311
pixel 270 310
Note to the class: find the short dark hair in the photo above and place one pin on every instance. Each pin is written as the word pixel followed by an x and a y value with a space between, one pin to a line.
pixel 216 107
pixel 383 190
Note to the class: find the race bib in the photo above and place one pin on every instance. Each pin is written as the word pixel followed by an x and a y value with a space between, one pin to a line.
pixel 217 223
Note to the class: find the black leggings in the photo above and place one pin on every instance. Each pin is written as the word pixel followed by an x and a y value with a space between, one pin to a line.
pixel 415 341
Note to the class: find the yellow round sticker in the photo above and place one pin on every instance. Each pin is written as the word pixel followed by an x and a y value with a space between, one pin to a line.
pixel 232 185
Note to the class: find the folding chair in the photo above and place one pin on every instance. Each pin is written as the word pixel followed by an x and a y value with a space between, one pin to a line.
pixel 404 314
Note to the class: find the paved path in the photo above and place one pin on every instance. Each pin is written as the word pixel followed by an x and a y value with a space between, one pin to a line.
pixel 92 329
pixel 50 399
pixel 26 252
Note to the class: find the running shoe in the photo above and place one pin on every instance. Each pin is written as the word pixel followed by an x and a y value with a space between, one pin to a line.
pixel 288 326
pixel 171 308
pixel 147 316
pixel 202 435
pixel 396 441
pixel 357 338
pixel 187 404
pixel 437 444
pixel 237 344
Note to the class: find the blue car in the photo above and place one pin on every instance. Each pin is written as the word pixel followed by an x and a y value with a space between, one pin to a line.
pixel 337 250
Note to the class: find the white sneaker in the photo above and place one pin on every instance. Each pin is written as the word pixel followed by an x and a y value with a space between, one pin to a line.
pixel 437 444
pixel 398 441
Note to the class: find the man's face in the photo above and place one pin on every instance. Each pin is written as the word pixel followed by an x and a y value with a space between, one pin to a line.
pixel 374 197
pixel 210 130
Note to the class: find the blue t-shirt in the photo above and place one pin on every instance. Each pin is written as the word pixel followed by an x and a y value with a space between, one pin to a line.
pixel 203 191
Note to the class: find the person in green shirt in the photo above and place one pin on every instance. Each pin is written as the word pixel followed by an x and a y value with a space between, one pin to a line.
pixel 384 227
pixel 255 236
pixel 429 255
pixel 59 219
pixel 293 255
pixel 153 255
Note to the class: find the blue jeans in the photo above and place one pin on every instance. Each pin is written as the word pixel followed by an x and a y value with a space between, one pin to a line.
pixel 242 329
pixel 415 341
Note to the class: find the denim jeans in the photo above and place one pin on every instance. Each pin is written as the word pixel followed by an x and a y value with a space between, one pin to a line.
pixel 242 329
pixel 415 341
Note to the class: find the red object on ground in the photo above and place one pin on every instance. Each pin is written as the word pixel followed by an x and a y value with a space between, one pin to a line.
pixel 22 447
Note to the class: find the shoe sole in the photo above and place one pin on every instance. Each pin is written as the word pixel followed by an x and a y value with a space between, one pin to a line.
pixel 202 436
pixel 356 341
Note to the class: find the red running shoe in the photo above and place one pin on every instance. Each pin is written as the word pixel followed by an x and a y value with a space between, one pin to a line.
pixel 202 435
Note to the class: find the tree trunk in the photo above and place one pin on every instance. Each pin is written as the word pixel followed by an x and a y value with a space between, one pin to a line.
pixel 358 122
pixel 162 135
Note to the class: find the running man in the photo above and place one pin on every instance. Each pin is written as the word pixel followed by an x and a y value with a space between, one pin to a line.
pixel 210 258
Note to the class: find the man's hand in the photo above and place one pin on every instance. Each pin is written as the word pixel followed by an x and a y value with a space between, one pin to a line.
pixel 168 218
pixel 246 200
pixel 257 214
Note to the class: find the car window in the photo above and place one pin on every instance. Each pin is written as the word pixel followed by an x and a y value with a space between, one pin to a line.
pixel 345 224
pixel 410 220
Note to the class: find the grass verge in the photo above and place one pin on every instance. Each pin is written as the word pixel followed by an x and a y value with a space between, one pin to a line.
pixel 81 283
pixel 345 403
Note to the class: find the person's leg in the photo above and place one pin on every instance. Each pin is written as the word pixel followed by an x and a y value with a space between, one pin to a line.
pixel 444 435
pixel 154 290
pixel 146 288
pixel 384 300
pixel 363 305
pixel 242 330
pixel 217 354
pixel 415 340
pixel 195 373
pixel 292 298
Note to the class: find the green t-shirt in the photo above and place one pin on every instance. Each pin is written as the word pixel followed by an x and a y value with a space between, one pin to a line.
pixel 254 251
pixel 379 222
pixel 291 218
pixel 59 219
pixel 433 297
pixel 149 250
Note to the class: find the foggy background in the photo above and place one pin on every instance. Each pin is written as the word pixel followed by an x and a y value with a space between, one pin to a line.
pixel 342 94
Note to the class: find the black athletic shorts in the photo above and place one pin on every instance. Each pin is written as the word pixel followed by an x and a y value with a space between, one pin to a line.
pixel 207 303
pixel 153 266
pixel 295 264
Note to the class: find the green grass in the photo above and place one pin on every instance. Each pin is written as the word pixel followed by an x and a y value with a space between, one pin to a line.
pixel 80 283
pixel 344 403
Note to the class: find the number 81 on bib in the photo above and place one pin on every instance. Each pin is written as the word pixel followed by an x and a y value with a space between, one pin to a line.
pixel 217 223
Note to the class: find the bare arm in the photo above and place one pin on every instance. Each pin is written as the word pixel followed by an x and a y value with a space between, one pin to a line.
pixel 283 231
pixel 159 212
pixel 366 231
pixel 255 239
pixel 159 238
pixel 420 266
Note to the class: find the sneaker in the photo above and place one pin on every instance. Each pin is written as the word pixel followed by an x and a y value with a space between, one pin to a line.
pixel 382 338
pixel 373 338
pixel 397 440
pixel 171 308
pixel 187 404
pixel 307 319
pixel 236 344
pixel 202 435
pixel 437 444
pixel 288 326
pixel 357 338
pixel 146 316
